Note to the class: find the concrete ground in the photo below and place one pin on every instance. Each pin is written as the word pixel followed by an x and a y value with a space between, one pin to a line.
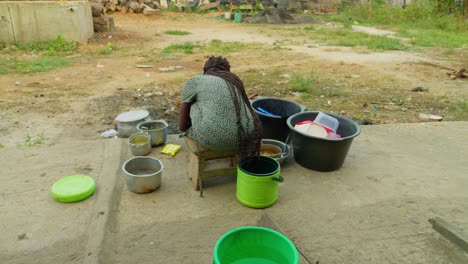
pixel 373 210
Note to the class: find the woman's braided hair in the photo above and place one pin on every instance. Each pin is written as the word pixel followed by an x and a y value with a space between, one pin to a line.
pixel 249 142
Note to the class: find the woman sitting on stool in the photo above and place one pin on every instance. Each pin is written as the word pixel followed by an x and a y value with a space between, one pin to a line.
pixel 216 113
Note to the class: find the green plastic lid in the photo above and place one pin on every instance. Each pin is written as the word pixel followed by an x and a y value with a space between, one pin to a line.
pixel 75 188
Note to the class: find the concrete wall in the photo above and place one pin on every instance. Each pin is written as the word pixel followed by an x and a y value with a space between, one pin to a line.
pixel 43 20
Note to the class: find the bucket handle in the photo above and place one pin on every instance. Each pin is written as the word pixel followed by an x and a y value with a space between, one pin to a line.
pixel 144 130
pixel 279 179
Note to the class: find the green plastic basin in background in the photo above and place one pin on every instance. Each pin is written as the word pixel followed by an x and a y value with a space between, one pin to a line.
pixel 254 245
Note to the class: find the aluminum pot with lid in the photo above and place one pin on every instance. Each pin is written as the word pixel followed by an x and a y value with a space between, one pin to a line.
pixel 127 122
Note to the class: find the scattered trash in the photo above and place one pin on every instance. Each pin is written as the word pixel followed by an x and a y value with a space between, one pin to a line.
pixel 419 89
pixel 364 122
pixel 374 108
pixel 329 102
pixel 17 83
pixel 100 66
pixel 251 97
pixel 171 68
pixel 109 133
pixel 110 36
pixel 355 75
pixel 144 66
pixel 171 149
pixel 164 108
pixel 430 117
pixel 457 74
pixel 285 75
pixel 148 75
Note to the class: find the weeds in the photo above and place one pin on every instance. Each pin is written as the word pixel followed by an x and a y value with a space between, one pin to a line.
pixel 52 47
pixel 434 38
pixel 220 47
pixel 1 145
pixel 300 82
pixel 30 66
pixel 107 50
pixel 32 141
pixel 427 23
pixel 348 38
pixel 177 32
pixel 186 48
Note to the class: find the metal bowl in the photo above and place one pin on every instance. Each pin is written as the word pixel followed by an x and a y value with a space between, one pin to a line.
pixel 286 149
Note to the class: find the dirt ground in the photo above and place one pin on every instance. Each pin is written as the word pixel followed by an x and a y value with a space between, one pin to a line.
pixel 373 210
pixel 85 97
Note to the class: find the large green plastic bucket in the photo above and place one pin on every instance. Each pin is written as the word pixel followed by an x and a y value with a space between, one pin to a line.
pixel 257 181
pixel 254 245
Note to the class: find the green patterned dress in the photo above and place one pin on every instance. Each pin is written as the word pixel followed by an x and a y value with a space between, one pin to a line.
pixel 213 114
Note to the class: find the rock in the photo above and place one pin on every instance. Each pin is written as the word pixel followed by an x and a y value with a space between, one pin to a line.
pixel 135 6
pixel 97 9
pixel 151 12
pixel 103 23
pixel 22 236
pixel 124 9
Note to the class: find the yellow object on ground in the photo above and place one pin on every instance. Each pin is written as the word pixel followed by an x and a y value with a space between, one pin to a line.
pixel 171 149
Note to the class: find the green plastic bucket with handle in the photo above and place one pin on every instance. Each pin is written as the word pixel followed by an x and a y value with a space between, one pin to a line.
pixel 254 245
pixel 257 181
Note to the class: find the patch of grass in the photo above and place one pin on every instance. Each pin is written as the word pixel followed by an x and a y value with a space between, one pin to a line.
pixel 185 48
pixel 460 109
pixel 43 64
pixel 177 32
pixel 30 140
pixel 1 145
pixel 52 47
pixel 220 47
pixel 427 23
pixel 301 82
pixel 107 50
pixel 434 38
pixel 309 28
pixel 348 38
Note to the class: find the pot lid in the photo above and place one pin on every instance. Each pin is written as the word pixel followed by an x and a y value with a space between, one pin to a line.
pixel 73 188
pixel 131 116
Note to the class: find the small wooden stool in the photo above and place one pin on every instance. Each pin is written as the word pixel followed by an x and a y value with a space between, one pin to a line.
pixel 199 155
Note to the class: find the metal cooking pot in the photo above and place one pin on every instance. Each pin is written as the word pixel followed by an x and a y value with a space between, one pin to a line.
pixel 140 143
pixel 142 174
pixel 286 149
pixel 127 122
pixel 157 129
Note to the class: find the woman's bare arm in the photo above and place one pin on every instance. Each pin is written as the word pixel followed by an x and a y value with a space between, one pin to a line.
pixel 184 117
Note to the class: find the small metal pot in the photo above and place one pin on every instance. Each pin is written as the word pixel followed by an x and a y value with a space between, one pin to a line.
pixel 140 143
pixel 142 174
pixel 157 129
pixel 285 148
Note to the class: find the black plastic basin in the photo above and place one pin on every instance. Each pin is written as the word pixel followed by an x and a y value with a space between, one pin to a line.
pixel 322 154
pixel 275 127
